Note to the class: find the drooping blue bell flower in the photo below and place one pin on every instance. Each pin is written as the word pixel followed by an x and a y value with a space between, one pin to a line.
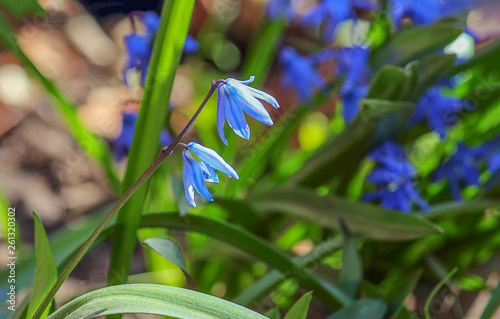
pixel 139 46
pixel 236 97
pixel 461 169
pixel 277 9
pixel 299 73
pixel 423 12
pixel 332 12
pixel 438 110
pixel 195 173
pixel 393 176
pixel 124 140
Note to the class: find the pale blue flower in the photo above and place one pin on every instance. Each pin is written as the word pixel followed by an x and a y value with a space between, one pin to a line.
pixel 236 97
pixel 195 173
pixel 277 9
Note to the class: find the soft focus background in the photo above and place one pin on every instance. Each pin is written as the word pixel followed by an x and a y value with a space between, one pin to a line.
pixel 80 47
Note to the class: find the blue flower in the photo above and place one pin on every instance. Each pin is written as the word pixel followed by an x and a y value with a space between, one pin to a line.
pixel 439 111
pixel 139 47
pixel 394 175
pixel 277 9
pixel 353 65
pixel 195 173
pixel 299 73
pixel 333 12
pixel 234 97
pixel 494 163
pixel 461 169
pixel 423 12
pixel 124 140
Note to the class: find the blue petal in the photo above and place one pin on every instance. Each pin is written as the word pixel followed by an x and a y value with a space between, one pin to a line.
pixel 221 115
pixel 187 176
pixel 253 107
pixel 213 159
pixel 209 175
pixel 264 96
pixel 195 174
pixel 234 114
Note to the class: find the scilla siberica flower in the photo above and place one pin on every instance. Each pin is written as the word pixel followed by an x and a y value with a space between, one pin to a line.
pixel 461 169
pixel 195 173
pixel 394 175
pixel 140 46
pixel 124 140
pixel 296 66
pixel 425 11
pixel 333 12
pixel 438 110
pixel 277 9
pixel 234 97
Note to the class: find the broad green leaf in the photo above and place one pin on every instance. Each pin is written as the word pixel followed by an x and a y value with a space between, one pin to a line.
pixel 365 220
pixel 398 294
pixel 20 8
pixel 45 271
pixel 362 309
pixel 387 84
pixel 170 251
pixel 251 244
pixel 377 121
pixel 414 43
pixel 166 55
pixel 452 209
pixel 431 69
pixel 273 314
pixel 300 308
pixel 435 291
pixel 152 299
pixel 351 273
pixel 265 284
pixel 95 147
pixel 493 304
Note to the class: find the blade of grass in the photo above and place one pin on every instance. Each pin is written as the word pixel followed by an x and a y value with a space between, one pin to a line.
pixel 92 145
pixel 167 50
pixel 434 292
pixel 493 304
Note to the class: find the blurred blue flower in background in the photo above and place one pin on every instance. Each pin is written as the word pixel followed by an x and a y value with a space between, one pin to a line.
pixel 352 63
pixel 461 168
pixel 124 140
pixel 394 175
pixel 299 73
pixel 277 9
pixel 438 110
pixel 139 46
pixel 234 97
pixel 195 173
pixel 422 12
pixel 333 12
pixel 494 163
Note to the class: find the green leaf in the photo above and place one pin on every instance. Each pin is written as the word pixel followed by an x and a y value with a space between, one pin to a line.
pixel 300 308
pixel 20 8
pixel 414 43
pixel 273 314
pixel 152 299
pixel 361 309
pixel 351 273
pixel 365 220
pixel 435 291
pixel 377 121
pixel 172 252
pixel 251 244
pixel 45 271
pixel 493 304
pixel 452 209
pixel 265 284
pixel 398 294
pixel 166 55
pixel 387 84
pixel 486 58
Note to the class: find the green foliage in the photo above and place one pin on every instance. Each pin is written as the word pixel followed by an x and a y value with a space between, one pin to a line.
pixel 493 304
pixel 151 299
pixel 360 309
pixel 300 308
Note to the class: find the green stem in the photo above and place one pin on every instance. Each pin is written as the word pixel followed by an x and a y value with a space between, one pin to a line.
pixel 166 151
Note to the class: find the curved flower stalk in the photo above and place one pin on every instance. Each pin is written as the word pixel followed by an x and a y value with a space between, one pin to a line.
pixel 195 173
pixel 124 140
pixel 234 97
pixel 296 66
pixel 394 175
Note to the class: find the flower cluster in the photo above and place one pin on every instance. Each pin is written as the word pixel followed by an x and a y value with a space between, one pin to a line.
pixel 394 176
